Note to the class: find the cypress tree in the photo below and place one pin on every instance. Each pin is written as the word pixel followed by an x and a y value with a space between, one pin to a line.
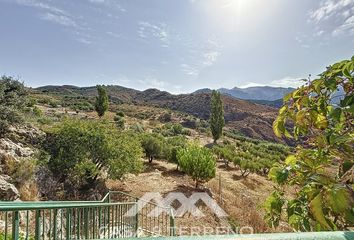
pixel 101 105
pixel 217 120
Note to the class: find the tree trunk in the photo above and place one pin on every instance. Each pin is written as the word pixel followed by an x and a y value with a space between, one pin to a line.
pixel 150 159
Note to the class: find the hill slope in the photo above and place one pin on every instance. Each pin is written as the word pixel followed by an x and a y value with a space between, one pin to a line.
pixel 250 119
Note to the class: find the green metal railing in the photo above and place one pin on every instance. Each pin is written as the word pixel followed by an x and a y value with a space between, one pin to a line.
pixel 268 236
pixel 116 216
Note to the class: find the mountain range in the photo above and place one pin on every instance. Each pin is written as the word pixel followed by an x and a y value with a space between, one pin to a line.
pixel 262 93
pixel 250 119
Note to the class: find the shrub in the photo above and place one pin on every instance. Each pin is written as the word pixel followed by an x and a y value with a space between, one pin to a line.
pixel 138 128
pixel 37 111
pixel 13 99
pixel 119 120
pixel 171 147
pixel 166 117
pixel 120 114
pixel 20 172
pixel 198 162
pixel 82 149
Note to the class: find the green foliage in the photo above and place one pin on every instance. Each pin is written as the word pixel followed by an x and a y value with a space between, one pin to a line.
pixel 101 105
pixel 172 129
pixel 82 150
pixel 198 162
pixel 226 153
pixel 217 120
pixel 137 127
pixel 37 111
pixel 119 120
pixel 251 156
pixel 171 147
pixel 82 103
pixel 13 99
pixel 120 114
pixel 20 172
pixel 323 201
pixel 152 145
pixel 166 117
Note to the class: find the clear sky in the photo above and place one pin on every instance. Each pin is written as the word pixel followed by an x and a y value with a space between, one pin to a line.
pixel 174 45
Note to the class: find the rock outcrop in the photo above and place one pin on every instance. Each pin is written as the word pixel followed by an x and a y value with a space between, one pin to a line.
pixel 15 147
pixel 8 191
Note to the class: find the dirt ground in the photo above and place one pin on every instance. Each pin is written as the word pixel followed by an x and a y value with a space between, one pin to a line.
pixel 241 198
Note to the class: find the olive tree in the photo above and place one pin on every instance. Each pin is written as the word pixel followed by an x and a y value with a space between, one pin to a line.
pixel 152 145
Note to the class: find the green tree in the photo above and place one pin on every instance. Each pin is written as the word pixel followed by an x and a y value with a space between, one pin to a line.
pixel 101 105
pixel 217 120
pixel 324 198
pixel 13 98
pixel 198 162
pixel 152 145
pixel 82 150
pixel 226 153
pixel 171 147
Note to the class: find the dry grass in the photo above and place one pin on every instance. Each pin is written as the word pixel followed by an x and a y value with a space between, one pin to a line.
pixel 29 191
pixel 241 198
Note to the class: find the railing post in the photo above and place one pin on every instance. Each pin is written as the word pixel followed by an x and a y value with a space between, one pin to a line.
pixel 37 234
pixel 68 224
pixel 172 223
pixel 86 223
pixel 55 228
pixel 136 217
pixel 15 225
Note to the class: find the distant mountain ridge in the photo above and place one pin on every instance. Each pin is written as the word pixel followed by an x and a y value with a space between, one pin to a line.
pixel 254 93
pixel 250 119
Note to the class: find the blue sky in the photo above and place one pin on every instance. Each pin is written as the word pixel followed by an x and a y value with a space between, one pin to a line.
pixel 173 45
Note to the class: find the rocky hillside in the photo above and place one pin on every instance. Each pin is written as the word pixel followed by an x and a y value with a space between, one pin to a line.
pixel 17 150
pixel 251 119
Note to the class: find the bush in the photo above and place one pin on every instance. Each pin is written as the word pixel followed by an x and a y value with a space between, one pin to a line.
pixel 170 129
pixel 198 162
pixel 13 99
pixel 82 150
pixel 120 114
pixel 166 117
pixel 20 172
pixel 138 128
pixel 119 120
pixel 171 147
pixel 37 111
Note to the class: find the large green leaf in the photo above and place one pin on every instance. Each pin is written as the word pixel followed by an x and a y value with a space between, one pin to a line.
pixel 317 211
pixel 338 199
